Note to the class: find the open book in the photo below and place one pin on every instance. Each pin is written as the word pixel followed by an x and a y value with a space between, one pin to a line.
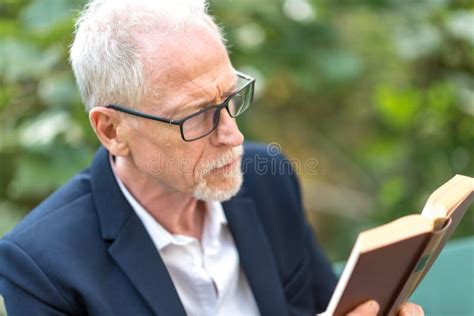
pixel 388 262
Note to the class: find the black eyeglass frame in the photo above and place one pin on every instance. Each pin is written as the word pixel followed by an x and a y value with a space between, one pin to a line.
pixel 180 122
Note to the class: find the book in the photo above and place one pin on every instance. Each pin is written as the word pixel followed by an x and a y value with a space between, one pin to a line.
pixel 388 262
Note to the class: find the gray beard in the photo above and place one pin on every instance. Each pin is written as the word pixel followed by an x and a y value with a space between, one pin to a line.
pixel 206 193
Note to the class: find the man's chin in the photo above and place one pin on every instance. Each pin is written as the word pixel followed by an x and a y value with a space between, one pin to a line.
pixel 220 190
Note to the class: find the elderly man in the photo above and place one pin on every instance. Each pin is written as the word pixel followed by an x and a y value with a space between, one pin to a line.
pixel 143 230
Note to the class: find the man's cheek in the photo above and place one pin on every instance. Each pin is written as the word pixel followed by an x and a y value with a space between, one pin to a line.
pixel 157 165
pixel 186 167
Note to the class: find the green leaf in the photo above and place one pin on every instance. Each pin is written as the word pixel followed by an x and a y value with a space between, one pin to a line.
pixel 58 90
pixel 43 15
pixel 23 60
pixel 38 174
pixel 398 108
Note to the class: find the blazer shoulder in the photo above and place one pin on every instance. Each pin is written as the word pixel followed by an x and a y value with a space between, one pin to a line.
pixel 268 171
pixel 56 208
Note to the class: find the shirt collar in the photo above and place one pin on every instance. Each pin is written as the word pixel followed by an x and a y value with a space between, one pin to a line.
pixel 216 212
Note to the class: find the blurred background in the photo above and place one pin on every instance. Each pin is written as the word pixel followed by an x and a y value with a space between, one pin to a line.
pixel 379 94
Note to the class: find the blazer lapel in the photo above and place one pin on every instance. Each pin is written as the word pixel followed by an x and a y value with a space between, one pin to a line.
pixel 137 256
pixel 256 256
pixel 131 246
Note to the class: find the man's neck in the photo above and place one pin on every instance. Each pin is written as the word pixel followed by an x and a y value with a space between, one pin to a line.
pixel 178 212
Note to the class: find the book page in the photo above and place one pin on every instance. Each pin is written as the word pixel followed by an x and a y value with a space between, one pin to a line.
pixel 445 199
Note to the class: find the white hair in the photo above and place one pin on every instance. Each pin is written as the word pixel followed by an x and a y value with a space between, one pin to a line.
pixel 105 55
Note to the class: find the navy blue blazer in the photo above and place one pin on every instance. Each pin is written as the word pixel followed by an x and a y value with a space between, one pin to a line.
pixel 84 251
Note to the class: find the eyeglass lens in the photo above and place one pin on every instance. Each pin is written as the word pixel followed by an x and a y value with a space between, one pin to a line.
pixel 204 123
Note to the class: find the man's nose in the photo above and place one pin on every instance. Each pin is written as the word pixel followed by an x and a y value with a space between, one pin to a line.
pixel 227 132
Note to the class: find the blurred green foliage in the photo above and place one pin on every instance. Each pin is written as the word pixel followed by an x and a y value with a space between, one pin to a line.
pixel 381 93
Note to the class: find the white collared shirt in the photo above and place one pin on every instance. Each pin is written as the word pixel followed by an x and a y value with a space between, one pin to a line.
pixel 207 273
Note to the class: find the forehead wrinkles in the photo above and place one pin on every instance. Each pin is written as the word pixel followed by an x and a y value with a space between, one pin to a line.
pixel 213 89
pixel 199 90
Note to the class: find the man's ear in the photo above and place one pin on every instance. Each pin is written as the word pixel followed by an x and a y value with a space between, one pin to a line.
pixel 106 124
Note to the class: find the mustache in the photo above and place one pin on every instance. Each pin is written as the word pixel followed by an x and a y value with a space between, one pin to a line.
pixel 233 154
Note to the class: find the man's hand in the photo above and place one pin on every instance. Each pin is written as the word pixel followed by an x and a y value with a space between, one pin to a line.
pixel 371 308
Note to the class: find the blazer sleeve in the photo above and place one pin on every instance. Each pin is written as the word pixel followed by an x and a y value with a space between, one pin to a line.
pixel 323 278
pixel 322 275
pixel 25 288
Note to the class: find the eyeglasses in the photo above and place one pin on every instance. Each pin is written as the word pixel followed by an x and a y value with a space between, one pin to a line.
pixel 205 121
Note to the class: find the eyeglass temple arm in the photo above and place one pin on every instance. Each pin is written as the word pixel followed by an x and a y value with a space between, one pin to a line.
pixel 144 115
